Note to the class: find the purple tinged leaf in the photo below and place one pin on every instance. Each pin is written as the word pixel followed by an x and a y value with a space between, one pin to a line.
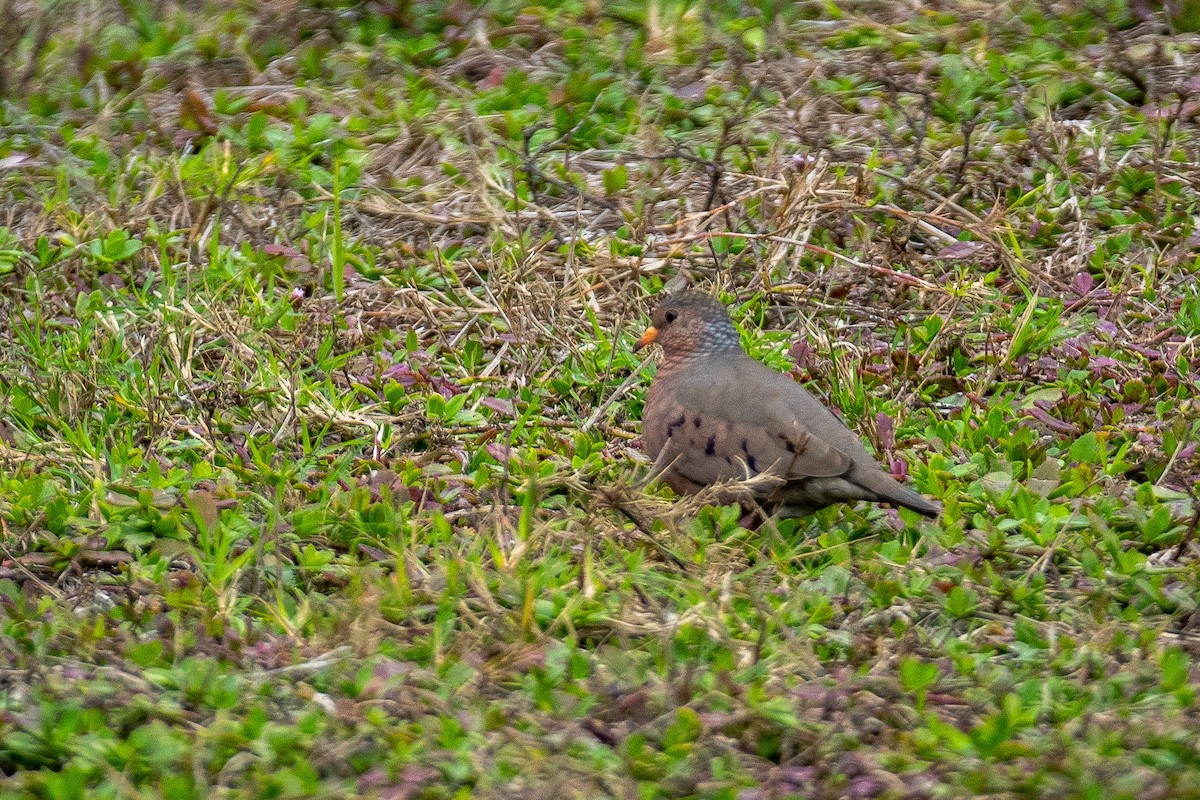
pixel 802 354
pixel 798 776
pixel 204 505
pixel 958 250
pixel 1049 363
pixel 1054 424
pixel 112 281
pixel 493 79
pixel 373 779
pixel 1154 355
pixel 499 451
pixel 425 499
pixel 402 374
pixel 1079 345
pixel 887 431
pixel 1082 283
pixel 407 377
pixel 446 387
pixel 500 405
pixel 373 553
pixel 865 786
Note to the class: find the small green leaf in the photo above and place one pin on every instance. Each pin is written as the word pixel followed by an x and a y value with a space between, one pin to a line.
pixel 679 737
pixel 146 654
pixel 616 179
pixel 961 603
pixel 435 405
pixel 1087 449
pixel 917 675
pixel 1174 664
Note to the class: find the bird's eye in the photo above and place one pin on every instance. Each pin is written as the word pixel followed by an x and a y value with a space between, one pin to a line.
pixel 671 316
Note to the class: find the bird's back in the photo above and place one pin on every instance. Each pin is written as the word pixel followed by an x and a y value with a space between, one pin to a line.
pixel 726 414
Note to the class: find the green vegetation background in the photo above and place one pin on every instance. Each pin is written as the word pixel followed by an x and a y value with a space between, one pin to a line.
pixel 318 416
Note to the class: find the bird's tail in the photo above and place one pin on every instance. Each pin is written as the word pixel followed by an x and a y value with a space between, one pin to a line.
pixel 903 496
pixel 887 490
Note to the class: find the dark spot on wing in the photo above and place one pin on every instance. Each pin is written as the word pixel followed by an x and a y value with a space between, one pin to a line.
pixel 750 462
pixel 796 447
pixel 696 421
pixel 676 424
pixel 711 447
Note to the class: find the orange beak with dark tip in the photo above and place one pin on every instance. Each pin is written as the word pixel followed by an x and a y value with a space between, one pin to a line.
pixel 649 336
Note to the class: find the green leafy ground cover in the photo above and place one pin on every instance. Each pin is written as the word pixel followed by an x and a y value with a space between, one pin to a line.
pixel 318 414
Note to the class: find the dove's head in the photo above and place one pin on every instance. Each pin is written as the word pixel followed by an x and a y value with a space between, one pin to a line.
pixel 691 323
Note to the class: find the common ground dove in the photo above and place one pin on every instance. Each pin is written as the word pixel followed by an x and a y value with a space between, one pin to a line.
pixel 714 414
